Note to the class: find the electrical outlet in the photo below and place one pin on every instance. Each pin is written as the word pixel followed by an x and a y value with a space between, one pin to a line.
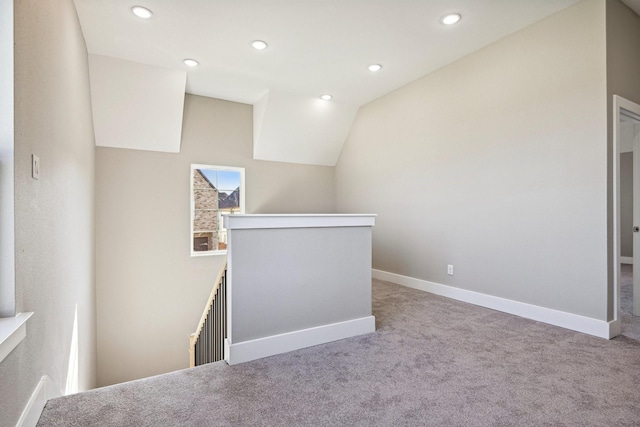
pixel 35 166
pixel 450 270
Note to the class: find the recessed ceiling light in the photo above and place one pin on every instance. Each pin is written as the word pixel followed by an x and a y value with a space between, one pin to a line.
pixel 259 44
pixel 450 19
pixel 375 67
pixel 191 62
pixel 141 12
pixel 326 97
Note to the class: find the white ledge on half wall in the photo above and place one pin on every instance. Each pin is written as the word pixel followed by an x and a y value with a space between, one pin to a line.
pixel 12 331
pixel 298 220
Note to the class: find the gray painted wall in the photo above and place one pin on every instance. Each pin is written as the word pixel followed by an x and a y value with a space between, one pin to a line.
pixel 623 69
pixel 151 293
pixel 495 164
pixel 54 216
pixel 626 204
pixel 288 279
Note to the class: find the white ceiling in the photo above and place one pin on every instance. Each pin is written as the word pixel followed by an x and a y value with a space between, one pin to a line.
pixel 315 47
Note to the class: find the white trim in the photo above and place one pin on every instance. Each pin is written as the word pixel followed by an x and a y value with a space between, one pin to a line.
pixel 12 331
pixel 298 221
pixel 616 212
pixel 194 166
pixel 44 391
pixel 626 260
pixel 615 328
pixel 631 109
pixel 276 344
pixel 563 319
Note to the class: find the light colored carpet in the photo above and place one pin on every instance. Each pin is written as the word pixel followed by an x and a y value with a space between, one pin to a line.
pixel 432 362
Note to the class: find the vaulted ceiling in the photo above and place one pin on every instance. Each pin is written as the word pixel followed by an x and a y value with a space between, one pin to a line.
pixel 315 47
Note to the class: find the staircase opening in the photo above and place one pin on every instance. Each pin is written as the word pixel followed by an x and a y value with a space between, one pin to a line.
pixel 206 344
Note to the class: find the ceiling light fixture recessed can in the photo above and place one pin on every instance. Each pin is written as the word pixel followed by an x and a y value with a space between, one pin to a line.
pixel 326 97
pixel 191 62
pixel 374 67
pixel 259 44
pixel 141 12
pixel 450 19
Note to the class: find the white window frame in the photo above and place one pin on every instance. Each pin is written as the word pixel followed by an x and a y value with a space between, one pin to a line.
pixel 192 203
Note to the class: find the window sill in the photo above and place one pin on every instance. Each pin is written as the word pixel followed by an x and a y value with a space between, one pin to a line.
pixel 205 253
pixel 12 331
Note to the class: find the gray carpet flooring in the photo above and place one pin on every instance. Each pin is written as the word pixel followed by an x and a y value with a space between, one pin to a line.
pixel 432 362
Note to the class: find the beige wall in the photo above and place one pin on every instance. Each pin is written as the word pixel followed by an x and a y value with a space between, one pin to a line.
pixel 55 215
pixel 495 164
pixel 151 292
pixel 623 69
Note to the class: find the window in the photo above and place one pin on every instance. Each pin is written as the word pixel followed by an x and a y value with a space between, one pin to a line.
pixel 215 191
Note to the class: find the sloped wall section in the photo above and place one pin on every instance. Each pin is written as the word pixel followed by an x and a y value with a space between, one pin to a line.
pixel 135 105
pixel 300 129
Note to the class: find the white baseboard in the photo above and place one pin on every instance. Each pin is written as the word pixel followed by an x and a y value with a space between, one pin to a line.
pixel 44 391
pixel 587 325
pixel 615 328
pixel 626 260
pixel 276 344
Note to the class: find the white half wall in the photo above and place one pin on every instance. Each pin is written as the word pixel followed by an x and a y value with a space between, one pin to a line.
pixel 300 129
pixel 135 105
pixel 295 281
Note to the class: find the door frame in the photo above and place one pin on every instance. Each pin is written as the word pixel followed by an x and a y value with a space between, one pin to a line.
pixel 621 106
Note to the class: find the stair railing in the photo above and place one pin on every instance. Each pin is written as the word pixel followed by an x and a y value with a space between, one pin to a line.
pixel 206 344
